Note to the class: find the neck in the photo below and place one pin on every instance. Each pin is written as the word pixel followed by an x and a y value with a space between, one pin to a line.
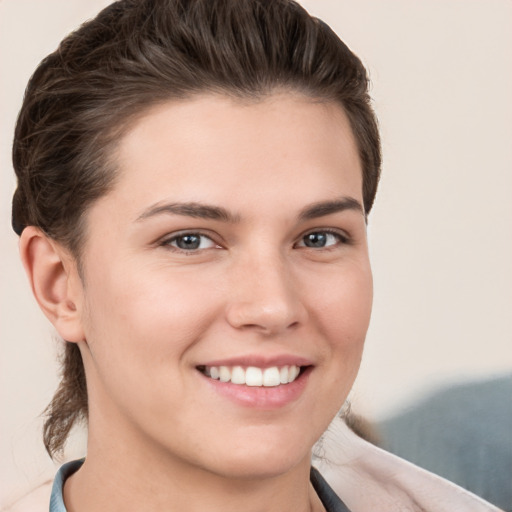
pixel 115 476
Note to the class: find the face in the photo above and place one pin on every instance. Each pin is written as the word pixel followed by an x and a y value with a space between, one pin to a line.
pixel 230 256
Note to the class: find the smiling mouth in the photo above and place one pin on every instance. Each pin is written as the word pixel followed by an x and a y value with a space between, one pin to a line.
pixel 252 375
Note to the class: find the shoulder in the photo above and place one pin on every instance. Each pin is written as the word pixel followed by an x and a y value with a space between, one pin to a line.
pixel 368 478
pixel 35 501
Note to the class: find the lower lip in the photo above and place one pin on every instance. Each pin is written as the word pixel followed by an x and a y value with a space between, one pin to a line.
pixel 260 396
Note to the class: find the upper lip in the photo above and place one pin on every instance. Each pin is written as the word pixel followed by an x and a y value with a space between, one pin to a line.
pixel 260 361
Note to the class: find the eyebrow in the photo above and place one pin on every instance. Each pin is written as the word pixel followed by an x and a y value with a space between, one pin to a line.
pixel 329 207
pixel 192 209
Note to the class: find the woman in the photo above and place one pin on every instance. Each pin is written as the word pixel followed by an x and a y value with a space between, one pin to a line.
pixel 194 181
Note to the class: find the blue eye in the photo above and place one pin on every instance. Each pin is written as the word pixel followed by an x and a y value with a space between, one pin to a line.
pixel 190 242
pixel 321 239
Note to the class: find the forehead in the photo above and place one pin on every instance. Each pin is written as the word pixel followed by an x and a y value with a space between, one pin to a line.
pixel 285 146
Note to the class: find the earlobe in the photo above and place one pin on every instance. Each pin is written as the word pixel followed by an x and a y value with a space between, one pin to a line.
pixel 55 282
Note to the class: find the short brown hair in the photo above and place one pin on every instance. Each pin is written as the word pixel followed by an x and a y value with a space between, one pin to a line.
pixel 134 54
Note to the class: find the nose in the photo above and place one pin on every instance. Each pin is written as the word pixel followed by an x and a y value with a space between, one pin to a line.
pixel 265 297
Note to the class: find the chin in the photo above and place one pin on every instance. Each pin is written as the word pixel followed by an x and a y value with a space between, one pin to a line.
pixel 259 468
pixel 261 458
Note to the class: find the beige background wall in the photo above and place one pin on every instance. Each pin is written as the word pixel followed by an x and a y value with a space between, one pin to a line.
pixel 440 233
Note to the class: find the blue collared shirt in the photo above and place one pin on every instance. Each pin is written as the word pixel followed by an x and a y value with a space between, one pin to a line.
pixel 56 499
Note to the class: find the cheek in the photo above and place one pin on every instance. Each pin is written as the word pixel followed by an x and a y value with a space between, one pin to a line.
pixel 343 306
pixel 140 330
pixel 151 315
pixel 342 314
pixel 342 309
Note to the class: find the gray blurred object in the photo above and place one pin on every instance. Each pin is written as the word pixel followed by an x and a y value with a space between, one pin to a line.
pixel 463 433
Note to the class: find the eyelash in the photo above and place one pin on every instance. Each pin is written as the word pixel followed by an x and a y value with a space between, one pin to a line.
pixel 342 239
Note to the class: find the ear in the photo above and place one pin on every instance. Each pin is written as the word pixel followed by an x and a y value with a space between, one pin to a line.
pixel 55 282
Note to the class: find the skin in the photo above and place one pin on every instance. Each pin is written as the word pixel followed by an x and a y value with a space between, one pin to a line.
pixel 146 313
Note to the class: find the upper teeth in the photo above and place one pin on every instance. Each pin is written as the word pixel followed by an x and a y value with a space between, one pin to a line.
pixel 253 376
